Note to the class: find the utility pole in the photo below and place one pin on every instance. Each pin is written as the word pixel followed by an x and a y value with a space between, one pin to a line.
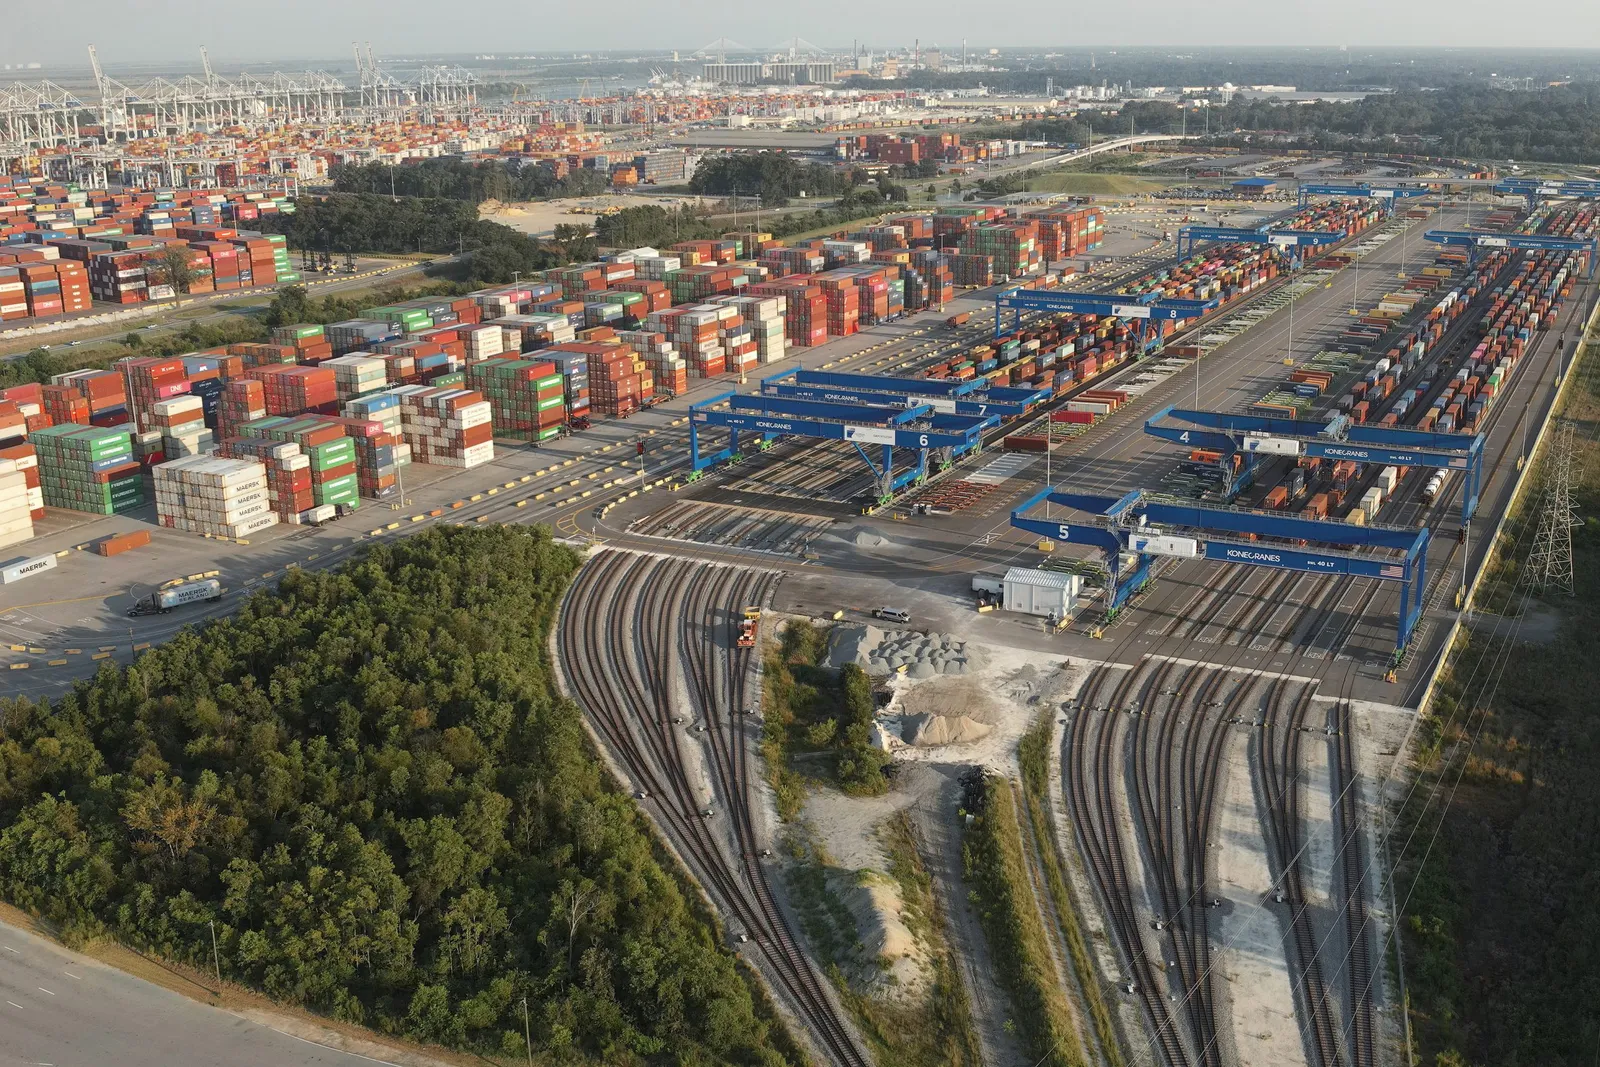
pixel 216 960
pixel 527 1032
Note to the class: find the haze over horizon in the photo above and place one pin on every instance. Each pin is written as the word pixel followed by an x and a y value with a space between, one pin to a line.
pixel 143 31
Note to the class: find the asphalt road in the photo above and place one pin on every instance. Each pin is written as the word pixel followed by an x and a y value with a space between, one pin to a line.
pixel 60 1009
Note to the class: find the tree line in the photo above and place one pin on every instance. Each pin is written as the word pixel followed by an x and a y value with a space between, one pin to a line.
pixel 368 783
pixel 1560 124
pixel 658 227
pixel 456 179
pixel 367 222
pixel 776 177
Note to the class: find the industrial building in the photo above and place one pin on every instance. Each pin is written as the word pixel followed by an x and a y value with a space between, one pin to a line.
pixel 784 71
pixel 1255 187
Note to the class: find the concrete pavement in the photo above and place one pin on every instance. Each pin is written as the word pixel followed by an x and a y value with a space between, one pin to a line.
pixel 61 1009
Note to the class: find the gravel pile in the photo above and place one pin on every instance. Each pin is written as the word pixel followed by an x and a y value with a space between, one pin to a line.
pixel 883 652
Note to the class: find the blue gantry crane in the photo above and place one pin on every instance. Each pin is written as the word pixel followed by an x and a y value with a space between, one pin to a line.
pixel 864 426
pixel 1388 194
pixel 1143 527
pixel 1294 240
pixel 1477 241
pixel 1144 314
pixel 974 397
pixel 1334 440
pixel 1536 189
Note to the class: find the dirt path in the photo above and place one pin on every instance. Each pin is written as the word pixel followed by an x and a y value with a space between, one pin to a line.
pixel 937 825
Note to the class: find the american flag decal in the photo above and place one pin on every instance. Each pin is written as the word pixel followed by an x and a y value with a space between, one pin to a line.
pixel 1392 572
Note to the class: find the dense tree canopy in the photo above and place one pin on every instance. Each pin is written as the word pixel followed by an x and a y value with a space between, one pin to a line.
pixel 455 179
pixel 773 176
pixel 367 780
pixel 367 222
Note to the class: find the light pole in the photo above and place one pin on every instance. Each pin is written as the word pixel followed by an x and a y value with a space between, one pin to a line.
pixel 527 1032
pixel 216 960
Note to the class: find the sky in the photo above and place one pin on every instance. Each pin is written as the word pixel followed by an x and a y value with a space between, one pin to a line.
pixel 155 30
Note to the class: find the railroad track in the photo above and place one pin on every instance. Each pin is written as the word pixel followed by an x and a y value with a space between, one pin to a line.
pixel 1091 758
pixel 1353 891
pixel 1278 763
pixel 1173 830
pixel 622 601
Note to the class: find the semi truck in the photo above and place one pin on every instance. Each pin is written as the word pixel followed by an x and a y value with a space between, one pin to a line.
pixel 164 600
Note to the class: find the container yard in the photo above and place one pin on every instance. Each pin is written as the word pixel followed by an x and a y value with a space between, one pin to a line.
pixel 839 428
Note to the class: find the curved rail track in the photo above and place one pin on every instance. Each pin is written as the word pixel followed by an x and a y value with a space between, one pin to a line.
pixel 622 602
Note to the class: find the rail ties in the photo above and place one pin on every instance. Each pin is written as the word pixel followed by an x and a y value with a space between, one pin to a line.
pixel 622 601
pixel 1093 760
pixel 1353 879
pixel 1278 755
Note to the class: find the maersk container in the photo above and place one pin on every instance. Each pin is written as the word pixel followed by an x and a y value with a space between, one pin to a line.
pixel 164 600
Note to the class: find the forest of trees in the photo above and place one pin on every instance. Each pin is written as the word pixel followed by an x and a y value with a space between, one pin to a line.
pixel 1555 125
pixel 775 177
pixel 367 780
pixel 455 179
pixel 662 227
pixel 1310 68
pixel 367 222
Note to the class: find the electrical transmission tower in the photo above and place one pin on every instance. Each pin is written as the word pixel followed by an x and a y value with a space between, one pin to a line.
pixel 1551 560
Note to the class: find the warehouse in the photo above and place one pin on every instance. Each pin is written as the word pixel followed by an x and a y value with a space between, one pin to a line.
pixel 1255 187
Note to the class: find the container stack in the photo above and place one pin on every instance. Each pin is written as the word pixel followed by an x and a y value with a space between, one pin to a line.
pixel 182 425
pixel 288 473
pixel 526 397
pixel 794 261
pixel 447 427
pixel 1010 248
pixel 971 272
pixel 88 468
pixel 694 334
pixel 216 497
pixel 21 456
pixel 935 278
pixel 291 390
pixel 64 404
pixel 484 341
pixel 691 284
pixel 656 268
pixel 16 518
pixel 13 297
pixel 259 261
pixel 617 386
pixel 332 454
pixel 355 335
pixel 805 309
pixel 243 400
pixel 381 408
pixel 657 297
pixel 572 363
pixel 670 372
pixel 310 343
pixel 581 278
pixel 843 302
pixel 402 318
pixel 379 455
pixel 146 382
pixel 764 316
pixel 357 375
pixel 56 287
pixel 105 392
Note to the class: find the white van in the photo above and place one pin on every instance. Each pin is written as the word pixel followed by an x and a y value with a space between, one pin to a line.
pixel 892 614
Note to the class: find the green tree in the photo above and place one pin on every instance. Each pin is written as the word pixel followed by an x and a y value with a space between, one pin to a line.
pixel 368 783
